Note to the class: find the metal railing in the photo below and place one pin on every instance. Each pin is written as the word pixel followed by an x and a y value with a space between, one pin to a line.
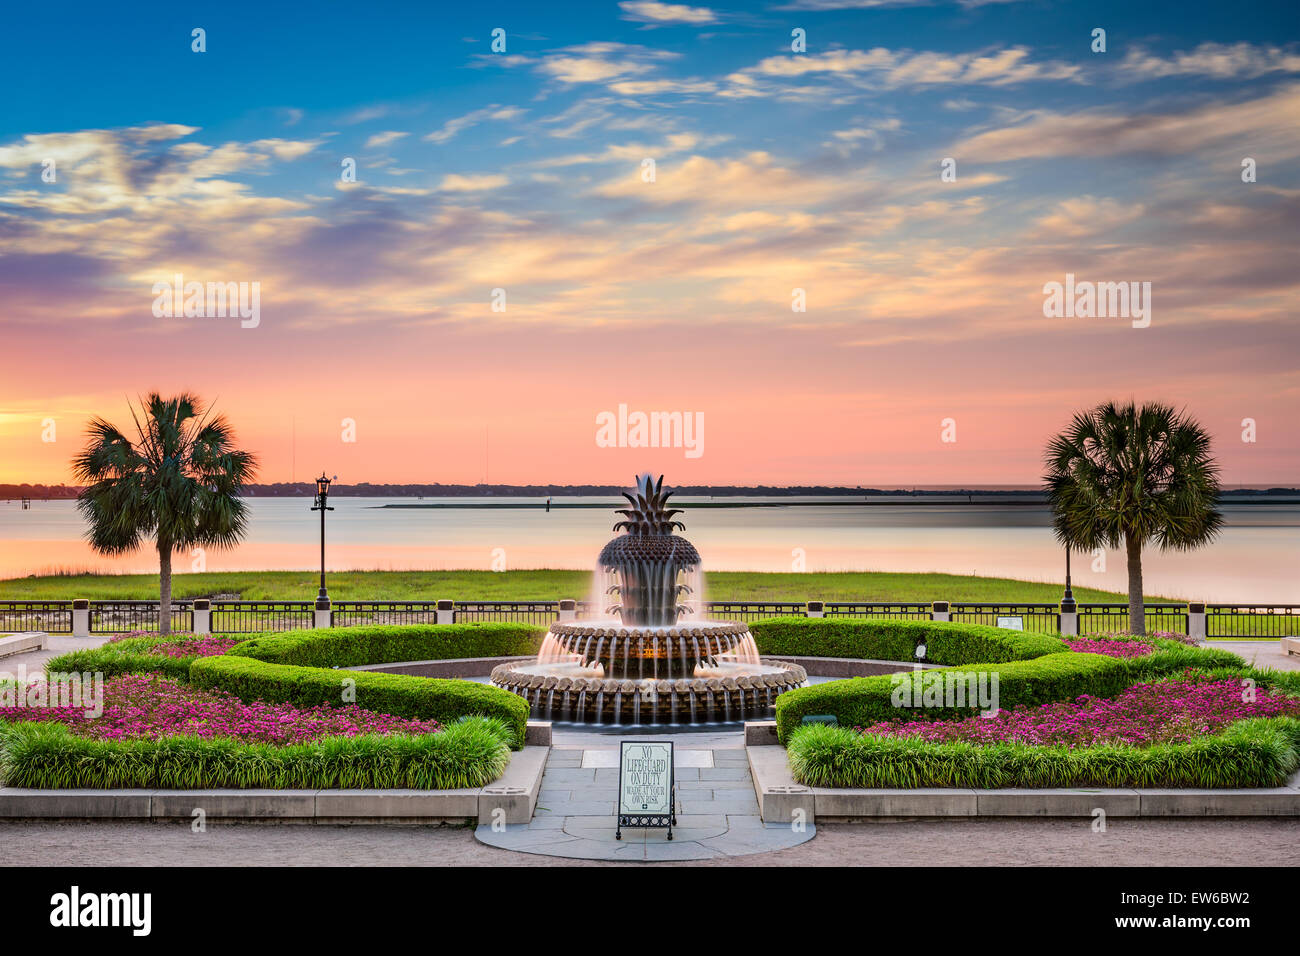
pixel 254 617
pixel 117 617
pixel 52 617
pixel 1102 618
pixel 526 612
pixel 1042 618
pixel 357 613
pixel 753 610
pixel 1225 621
pixel 910 611
pixel 1222 621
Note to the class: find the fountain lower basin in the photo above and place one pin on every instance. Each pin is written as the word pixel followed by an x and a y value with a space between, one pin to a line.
pixel 605 673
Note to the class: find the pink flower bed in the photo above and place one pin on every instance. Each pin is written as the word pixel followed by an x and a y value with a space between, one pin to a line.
pixel 1111 648
pixel 1166 712
pixel 130 634
pixel 152 706
pixel 186 644
pixel 199 647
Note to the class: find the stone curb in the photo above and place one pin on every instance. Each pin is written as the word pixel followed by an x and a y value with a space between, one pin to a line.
pixel 780 797
pixel 13 644
pixel 515 792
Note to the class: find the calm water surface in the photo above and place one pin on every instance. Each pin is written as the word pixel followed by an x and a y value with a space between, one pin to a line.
pixel 1255 559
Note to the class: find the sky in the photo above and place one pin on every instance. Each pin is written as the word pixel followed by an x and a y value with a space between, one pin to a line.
pixel 832 259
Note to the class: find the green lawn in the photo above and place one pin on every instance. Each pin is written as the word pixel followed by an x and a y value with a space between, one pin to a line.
pixel 540 585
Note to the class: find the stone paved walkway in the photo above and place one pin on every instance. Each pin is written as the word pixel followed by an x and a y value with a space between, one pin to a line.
pixel 31 663
pixel 717 811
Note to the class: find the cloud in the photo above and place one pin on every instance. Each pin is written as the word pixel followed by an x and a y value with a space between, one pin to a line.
pixel 884 69
pixel 599 61
pixel 383 139
pixel 754 180
pixel 1265 123
pixel 653 87
pixel 651 11
pixel 1218 60
pixel 286 149
pixel 1087 216
pixel 845 141
pixel 873 4
pixel 454 183
pixel 457 125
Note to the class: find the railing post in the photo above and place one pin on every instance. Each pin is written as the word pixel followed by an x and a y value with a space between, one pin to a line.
pixel 322 616
pixel 1069 619
pixel 815 609
pixel 202 616
pixel 568 609
pixel 1196 620
pixel 446 613
pixel 81 618
pixel 939 611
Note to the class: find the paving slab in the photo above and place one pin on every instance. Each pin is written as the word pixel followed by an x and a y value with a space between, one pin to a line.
pixel 334 806
pixel 724 773
pixel 236 804
pixel 75 804
pixel 1264 802
pixel 1057 803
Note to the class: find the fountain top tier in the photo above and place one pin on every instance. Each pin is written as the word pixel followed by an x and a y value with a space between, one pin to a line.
pixel 648 558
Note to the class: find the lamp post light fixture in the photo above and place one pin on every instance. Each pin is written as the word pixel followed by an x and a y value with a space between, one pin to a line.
pixel 1067 599
pixel 321 505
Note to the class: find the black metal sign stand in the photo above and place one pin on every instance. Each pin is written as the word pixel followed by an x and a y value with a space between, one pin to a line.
pixel 648 821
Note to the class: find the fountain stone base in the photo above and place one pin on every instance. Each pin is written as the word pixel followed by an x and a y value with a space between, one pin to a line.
pixel 606 673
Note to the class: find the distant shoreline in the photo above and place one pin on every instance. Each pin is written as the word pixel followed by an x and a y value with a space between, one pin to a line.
pixel 1239 493
pixel 795 503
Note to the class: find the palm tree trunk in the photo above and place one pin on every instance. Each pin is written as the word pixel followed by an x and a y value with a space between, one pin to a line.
pixel 165 582
pixel 1136 615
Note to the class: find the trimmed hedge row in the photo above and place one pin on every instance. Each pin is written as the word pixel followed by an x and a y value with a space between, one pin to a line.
pixel 1260 752
pixel 401 695
pixel 386 643
pixel 47 756
pixel 1063 676
pixel 130 656
pixel 886 639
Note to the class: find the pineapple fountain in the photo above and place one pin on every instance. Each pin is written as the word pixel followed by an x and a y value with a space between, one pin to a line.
pixel 643 664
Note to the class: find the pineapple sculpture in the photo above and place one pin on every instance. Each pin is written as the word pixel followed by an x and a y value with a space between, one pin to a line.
pixel 648 559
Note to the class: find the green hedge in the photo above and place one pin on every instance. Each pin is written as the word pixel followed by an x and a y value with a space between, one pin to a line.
pixel 384 644
pixel 1261 752
pixel 129 656
pixel 47 756
pixel 1063 676
pixel 894 640
pixel 398 694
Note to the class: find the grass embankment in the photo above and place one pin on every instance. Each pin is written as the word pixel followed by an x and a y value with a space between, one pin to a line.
pixel 540 586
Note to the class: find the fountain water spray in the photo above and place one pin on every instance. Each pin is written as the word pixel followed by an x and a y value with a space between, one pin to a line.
pixel 653 661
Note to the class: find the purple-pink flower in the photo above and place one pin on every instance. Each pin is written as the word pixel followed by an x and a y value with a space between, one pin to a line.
pixel 1162 712
pixel 152 706
pixel 1111 648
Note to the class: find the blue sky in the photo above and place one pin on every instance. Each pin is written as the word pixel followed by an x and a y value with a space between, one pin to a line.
pixel 776 170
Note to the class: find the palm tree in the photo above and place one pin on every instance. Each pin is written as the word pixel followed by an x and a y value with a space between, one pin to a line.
pixel 1120 474
pixel 178 481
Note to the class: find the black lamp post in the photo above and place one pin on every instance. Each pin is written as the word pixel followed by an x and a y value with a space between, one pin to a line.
pixel 322 496
pixel 1067 600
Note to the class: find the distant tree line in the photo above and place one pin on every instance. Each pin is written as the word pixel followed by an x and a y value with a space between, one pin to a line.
pixel 365 489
